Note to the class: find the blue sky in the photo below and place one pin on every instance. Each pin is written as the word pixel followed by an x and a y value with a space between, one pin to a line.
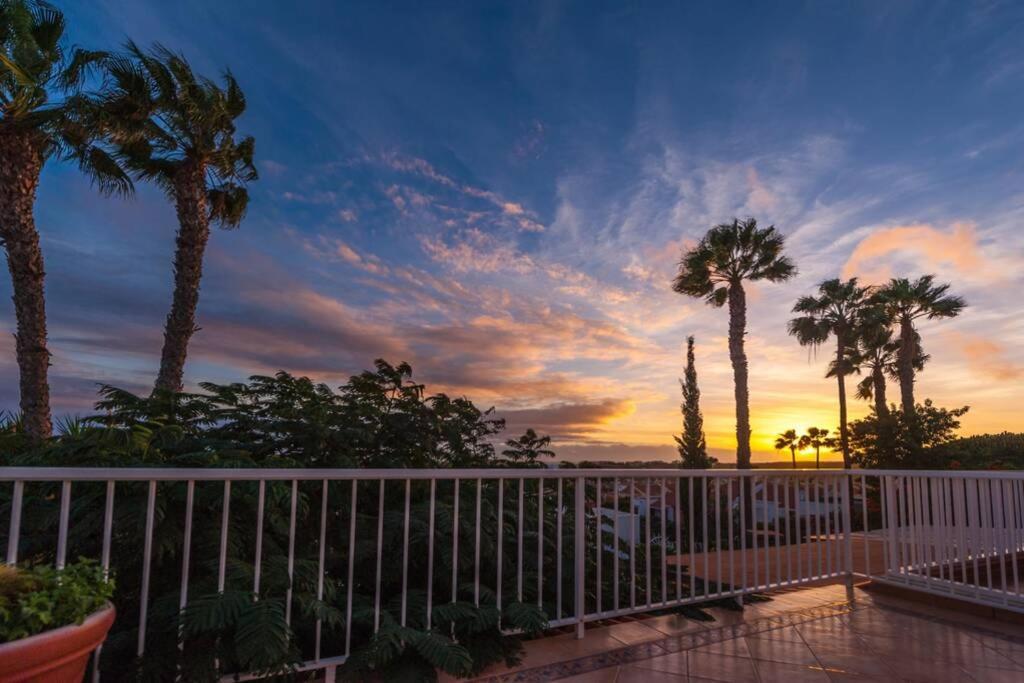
pixel 498 193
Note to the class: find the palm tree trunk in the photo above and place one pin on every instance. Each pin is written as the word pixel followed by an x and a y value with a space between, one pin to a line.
pixel 20 166
pixel 792 452
pixel 844 438
pixel 190 245
pixel 737 330
pixel 878 390
pixel 905 363
pixel 817 457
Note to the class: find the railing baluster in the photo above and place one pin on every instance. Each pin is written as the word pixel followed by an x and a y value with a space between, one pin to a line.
pixel 558 553
pixel 664 546
pixel 476 545
pixel 291 552
pixel 704 534
pixel 500 536
pixel 15 527
pixel 108 527
pixel 147 553
pixel 732 558
pixel 632 541
pixel 261 496
pixel 320 569
pixel 865 524
pixel 405 548
pixel 352 560
pixel 718 536
pixel 742 481
pixel 789 546
pixel 430 553
pixel 647 543
pixel 224 521
pixel 598 535
pixel 579 556
pixel 540 543
pixel 380 555
pixel 455 543
pixel 62 527
pixel 615 541
pixel 519 541
pixel 752 486
pixel 678 555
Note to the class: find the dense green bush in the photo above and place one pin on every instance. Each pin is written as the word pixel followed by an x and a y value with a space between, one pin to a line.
pixel 41 598
pixel 1004 451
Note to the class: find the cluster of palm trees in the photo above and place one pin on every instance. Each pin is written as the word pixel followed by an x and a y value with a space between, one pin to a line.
pixel 815 438
pixel 145 117
pixel 874 327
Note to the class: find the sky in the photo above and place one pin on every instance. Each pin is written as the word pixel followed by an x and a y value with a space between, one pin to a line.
pixel 499 194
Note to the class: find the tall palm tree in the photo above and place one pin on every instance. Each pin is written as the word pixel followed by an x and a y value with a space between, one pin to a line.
pixel 877 351
pixel 814 438
pixel 788 439
pixel 835 312
pixel 905 302
pixel 177 129
pixel 39 120
pixel 715 269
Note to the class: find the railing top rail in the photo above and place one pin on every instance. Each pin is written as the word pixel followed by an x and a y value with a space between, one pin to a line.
pixel 255 474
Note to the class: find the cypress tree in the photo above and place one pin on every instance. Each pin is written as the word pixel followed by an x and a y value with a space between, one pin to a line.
pixel 691 445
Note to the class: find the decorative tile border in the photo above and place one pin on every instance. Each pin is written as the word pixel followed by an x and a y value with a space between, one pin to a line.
pixel 687 641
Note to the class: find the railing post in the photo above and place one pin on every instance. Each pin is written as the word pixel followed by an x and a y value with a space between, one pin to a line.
pixel 848 531
pixel 580 538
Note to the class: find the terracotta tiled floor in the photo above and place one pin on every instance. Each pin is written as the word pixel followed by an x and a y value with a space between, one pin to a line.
pixel 812 634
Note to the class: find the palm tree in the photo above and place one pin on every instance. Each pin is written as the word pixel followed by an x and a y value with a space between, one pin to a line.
pixel 39 120
pixel 814 438
pixel 877 351
pixel 906 301
pixel 836 311
pixel 788 439
pixel 715 269
pixel 177 130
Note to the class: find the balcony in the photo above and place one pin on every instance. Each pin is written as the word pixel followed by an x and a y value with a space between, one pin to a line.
pixel 608 556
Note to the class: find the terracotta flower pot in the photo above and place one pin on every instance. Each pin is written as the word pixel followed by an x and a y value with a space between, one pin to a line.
pixel 57 656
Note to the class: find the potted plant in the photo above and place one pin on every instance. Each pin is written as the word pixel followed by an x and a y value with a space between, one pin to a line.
pixel 52 620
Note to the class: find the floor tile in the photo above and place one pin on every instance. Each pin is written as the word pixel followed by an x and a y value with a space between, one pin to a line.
pixel 632 673
pixel 607 675
pixel 851 664
pixel 721 667
pixel 633 632
pixel 674 663
pixel 779 672
pixel 780 651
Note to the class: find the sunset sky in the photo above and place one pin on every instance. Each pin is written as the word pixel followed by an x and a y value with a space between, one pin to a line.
pixel 499 194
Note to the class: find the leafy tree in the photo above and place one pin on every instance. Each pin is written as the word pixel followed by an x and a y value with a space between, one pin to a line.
pixel 788 439
pixel 1003 451
pixel 691 445
pixel 906 301
pixel 814 438
pixel 41 118
pixel 835 312
pixel 728 255
pixel 528 450
pixel 177 130
pixel 882 443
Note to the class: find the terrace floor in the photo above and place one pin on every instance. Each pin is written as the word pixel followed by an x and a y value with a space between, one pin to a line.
pixel 807 634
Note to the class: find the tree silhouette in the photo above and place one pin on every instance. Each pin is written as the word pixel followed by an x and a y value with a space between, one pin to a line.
pixel 788 439
pixel 36 124
pixel 835 312
pixel 691 445
pixel 715 269
pixel 905 302
pixel 177 130
pixel 814 438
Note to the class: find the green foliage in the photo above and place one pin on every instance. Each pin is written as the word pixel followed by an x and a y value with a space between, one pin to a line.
pixel 1003 451
pixel 379 418
pixel 41 598
pixel 728 254
pixel 528 449
pixel 692 447
pixel 882 442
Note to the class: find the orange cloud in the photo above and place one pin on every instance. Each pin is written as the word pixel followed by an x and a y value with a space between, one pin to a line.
pixel 986 356
pixel 957 248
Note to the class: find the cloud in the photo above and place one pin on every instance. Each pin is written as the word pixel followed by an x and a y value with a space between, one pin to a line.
pixel 986 356
pixel 568 421
pixel 872 258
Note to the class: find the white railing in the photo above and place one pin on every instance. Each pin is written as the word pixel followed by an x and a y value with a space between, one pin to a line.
pixel 958 534
pixel 584 545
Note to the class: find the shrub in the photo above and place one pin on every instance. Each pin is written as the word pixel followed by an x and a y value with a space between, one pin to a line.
pixel 41 598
